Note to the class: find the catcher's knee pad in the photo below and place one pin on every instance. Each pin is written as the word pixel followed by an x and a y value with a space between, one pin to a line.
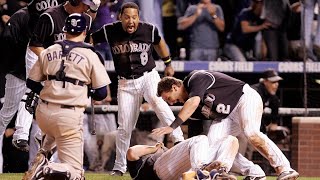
pixel 60 171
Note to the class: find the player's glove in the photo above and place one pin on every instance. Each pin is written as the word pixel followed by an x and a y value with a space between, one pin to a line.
pixel 94 8
pixel 31 102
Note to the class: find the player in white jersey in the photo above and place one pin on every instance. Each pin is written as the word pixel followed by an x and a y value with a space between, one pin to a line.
pixel 233 105
pixel 132 43
pixel 187 159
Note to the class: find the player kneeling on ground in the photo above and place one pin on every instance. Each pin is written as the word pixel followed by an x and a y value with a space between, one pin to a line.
pixel 67 69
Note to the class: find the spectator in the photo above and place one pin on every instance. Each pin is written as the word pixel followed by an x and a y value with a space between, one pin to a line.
pixel 277 13
pixel 204 20
pixel 104 16
pixel 294 31
pixel 312 46
pixel 169 20
pixel 242 38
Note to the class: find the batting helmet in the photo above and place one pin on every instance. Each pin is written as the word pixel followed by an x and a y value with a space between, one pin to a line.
pixel 75 23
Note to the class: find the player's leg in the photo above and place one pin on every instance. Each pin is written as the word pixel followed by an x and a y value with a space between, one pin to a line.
pixel 66 129
pixel 24 118
pixel 248 114
pixel 34 144
pixel 224 151
pixel 22 126
pixel 160 107
pixel 129 101
pixel 14 90
pixel 189 154
pixel 221 130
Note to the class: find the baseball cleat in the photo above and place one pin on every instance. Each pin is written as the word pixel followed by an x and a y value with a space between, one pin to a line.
pixel 21 144
pixel 221 175
pixel 36 169
pixel 213 165
pixel 203 175
pixel 116 173
pixel 255 178
pixel 288 175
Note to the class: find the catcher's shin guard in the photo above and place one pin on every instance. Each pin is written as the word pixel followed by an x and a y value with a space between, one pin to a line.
pixel 60 171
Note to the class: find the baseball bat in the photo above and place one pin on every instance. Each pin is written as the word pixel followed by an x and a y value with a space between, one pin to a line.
pixel 92 123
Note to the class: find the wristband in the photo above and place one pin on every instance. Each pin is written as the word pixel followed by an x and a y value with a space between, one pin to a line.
pixel 166 60
pixel 176 123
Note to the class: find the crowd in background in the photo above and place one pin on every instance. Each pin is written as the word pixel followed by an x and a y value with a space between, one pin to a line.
pixel 241 30
pixel 217 30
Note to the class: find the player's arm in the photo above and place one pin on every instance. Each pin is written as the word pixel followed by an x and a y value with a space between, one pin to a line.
pixel 42 30
pixel 136 152
pixel 185 113
pixel 36 50
pixel 101 35
pixel 36 77
pixel 34 86
pixel 188 109
pixel 100 93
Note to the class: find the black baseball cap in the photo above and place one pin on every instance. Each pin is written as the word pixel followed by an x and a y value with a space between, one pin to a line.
pixel 271 75
pixel 75 23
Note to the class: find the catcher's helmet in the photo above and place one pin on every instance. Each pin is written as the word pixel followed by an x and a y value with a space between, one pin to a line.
pixel 75 23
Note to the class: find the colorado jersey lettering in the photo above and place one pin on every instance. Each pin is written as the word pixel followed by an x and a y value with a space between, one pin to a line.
pixel 132 52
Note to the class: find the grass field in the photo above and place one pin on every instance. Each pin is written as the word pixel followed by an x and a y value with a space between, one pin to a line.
pixel 95 176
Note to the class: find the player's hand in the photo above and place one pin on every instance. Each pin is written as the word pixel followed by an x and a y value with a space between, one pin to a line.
pixel 96 5
pixel 159 145
pixel 168 71
pixel 162 131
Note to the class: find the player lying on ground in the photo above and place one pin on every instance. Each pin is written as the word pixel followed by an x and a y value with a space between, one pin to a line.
pixel 193 158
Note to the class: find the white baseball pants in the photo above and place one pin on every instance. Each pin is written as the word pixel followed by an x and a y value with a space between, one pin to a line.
pixel 130 95
pixel 246 118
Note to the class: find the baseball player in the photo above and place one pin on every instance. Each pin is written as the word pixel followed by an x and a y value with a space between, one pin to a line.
pixel 192 155
pixel 131 42
pixel 16 35
pixel 67 68
pixel 47 30
pixel 233 104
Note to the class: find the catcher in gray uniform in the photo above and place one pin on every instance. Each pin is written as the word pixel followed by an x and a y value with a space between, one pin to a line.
pixel 67 68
